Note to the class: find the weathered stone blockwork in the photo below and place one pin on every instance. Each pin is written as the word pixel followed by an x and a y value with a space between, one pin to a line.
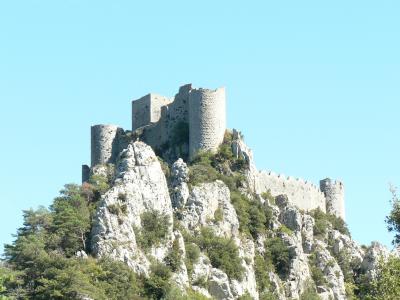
pixel 202 112
pixel 334 194
pixel 303 194
pixel 156 118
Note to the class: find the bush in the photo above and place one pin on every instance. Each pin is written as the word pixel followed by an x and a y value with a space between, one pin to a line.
pixel 323 221
pixel 316 273
pixel 155 228
pixel 222 252
pixel 309 293
pixel 261 269
pixel 277 254
pixel 254 218
pixel 218 215
pixel 157 286
pixel 192 256
pixel 173 259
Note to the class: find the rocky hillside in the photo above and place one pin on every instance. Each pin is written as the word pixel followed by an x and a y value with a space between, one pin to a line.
pixel 240 244
pixel 192 231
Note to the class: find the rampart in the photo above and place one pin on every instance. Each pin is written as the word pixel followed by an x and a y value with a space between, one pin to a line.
pixel 303 194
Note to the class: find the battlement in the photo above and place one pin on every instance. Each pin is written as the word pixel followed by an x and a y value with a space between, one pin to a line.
pixel 301 193
pixel 195 120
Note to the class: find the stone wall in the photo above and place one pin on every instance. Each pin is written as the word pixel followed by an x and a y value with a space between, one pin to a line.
pixel 334 194
pixel 147 110
pixel 303 194
pixel 104 143
pixel 207 119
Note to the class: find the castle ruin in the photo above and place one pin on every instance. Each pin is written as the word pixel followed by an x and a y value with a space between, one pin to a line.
pixel 195 120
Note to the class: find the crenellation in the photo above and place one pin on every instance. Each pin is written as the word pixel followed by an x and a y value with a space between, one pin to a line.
pixel 195 120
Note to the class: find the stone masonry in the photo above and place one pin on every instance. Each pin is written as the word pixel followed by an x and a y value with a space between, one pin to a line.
pixel 201 113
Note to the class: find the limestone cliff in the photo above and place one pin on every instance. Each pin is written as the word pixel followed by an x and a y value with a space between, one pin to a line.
pixel 223 236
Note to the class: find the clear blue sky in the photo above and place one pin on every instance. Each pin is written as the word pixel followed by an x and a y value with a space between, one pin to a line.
pixel 313 85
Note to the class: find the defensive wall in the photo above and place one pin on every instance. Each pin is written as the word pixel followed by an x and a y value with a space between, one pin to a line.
pixel 303 194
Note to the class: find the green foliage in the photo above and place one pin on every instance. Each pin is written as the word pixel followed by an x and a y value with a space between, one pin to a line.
pixel 218 215
pixel 323 221
pixel 223 165
pixel 268 196
pixel 100 183
pixel 254 218
pixel 154 229
pixel 157 286
pixel 245 296
pixel 277 254
pixel 173 259
pixel 309 293
pixel 316 273
pixel 175 293
pixel 386 286
pixel 192 255
pixel 71 220
pixel 393 220
pixel 284 229
pixel 118 209
pixel 261 269
pixel 222 252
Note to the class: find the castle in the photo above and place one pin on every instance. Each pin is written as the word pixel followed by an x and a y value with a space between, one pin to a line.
pixel 194 120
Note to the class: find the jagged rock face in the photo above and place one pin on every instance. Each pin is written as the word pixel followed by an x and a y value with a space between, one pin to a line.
pixel 372 257
pixel 179 186
pixel 331 270
pixel 140 186
pixel 205 201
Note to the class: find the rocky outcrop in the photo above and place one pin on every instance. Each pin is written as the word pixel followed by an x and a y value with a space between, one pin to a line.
pixel 179 186
pixel 209 205
pixel 140 186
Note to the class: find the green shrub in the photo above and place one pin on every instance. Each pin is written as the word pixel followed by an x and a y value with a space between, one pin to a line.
pixel 316 273
pixel 154 229
pixel 100 183
pixel 192 256
pixel 284 229
pixel 254 218
pixel 268 196
pixel 277 254
pixel 157 286
pixel 309 293
pixel 261 269
pixel 222 252
pixel 117 209
pixel 323 221
pixel 173 259
pixel 218 215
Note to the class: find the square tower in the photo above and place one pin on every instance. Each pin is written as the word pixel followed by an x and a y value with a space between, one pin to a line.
pixel 147 110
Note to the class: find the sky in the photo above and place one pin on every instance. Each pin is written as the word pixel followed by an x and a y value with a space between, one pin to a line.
pixel 313 86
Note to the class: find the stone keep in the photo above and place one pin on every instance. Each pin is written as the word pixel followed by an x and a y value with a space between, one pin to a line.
pixel 207 119
pixel 104 143
pixel 334 195
pixel 204 110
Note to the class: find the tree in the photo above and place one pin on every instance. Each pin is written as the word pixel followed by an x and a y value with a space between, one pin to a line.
pixel 393 220
pixel 386 285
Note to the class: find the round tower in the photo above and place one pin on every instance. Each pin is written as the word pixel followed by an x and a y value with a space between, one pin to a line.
pixel 207 119
pixel 334 195
pixel 104 144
